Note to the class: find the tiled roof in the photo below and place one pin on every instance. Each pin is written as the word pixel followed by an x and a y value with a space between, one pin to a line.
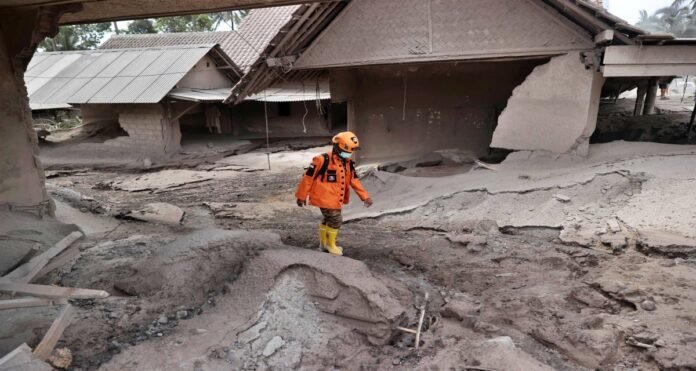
pixel 243 46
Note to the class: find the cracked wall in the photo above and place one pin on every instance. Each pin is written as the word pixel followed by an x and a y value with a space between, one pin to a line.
pixel 554 109
pixel 403 112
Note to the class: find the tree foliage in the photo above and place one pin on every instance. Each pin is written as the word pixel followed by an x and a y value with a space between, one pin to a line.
pixel 232 19
pixel 678 19
pixel 78 37
pixel 185 23
pixel 141 26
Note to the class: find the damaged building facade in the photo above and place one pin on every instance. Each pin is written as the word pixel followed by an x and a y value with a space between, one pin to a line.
pixel 133 87
pixel 424 76
pixel 126 83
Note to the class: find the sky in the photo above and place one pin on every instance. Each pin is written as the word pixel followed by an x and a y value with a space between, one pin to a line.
pixel 628 9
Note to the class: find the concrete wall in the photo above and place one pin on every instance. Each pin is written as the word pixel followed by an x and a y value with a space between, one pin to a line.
pixel 21 174
pixel 205 75
pixel 149 130
pixel 402 112
pixel 248 120
pixel 554 110
pixel 92 113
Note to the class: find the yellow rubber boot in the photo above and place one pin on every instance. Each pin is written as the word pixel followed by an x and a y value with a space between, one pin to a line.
pixel 332 234
pixel 323 238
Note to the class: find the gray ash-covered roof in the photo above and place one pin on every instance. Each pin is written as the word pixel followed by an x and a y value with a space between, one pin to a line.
pixel 243 46
pixel 115 75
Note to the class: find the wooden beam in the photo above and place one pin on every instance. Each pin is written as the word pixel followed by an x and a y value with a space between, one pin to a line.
pixel 52 291
pixel 574 10
pixel 59 261
pixel 666 54
pixel 604 37
pixel 49 341
pixel 46 255
pixel 645 70
pixel 25 303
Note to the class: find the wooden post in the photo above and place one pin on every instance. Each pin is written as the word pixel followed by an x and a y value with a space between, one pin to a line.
pixel 691 122
pixel 45 347
pixel 640 100
pixel 651 95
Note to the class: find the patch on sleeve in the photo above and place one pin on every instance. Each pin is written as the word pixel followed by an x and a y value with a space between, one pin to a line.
pixel 310 170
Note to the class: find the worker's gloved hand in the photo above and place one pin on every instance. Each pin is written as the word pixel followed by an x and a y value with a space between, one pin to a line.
pixel 301 203
pixel 368 202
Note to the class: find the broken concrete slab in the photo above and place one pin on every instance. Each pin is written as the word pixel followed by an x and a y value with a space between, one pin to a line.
pixel 162 180
pixel 157 212
pixel 23 359
pixel 670 244
pixel 555 109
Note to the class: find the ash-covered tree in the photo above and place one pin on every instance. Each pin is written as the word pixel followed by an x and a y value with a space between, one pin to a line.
pixel 186 23
pixel 140 26
pixel 679 19
pixel 77 37
pixel 232 19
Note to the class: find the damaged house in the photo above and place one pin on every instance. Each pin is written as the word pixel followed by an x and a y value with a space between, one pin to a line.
pixel 165 88
pixel 421 76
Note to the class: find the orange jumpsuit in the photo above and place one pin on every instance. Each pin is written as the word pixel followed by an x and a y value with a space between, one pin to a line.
pixel 331 189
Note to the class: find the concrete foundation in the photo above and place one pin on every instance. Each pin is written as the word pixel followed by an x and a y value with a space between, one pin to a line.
pixel 555 109
pixel 401 112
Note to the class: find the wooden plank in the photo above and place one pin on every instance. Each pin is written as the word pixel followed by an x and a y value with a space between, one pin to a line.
pixel 45 347
pixel 52 291
pixel 62 259
pixel 649 70
pixel 22 359
pixel 46 255
pixel 665 54
pixel 25 303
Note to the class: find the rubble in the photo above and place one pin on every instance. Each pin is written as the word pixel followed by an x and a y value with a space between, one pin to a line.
pixel 157 212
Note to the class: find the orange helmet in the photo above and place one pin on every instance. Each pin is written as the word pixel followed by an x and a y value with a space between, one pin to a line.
pixel 346 141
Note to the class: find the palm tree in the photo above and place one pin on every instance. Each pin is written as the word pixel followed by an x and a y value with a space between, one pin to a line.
pixel 675 17
pixel 233 19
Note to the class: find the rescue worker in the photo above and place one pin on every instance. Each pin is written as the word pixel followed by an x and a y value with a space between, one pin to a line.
pixel 327 182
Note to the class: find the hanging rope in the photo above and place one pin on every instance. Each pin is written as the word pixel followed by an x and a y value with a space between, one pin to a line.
pixel 306 110
pixel 268 141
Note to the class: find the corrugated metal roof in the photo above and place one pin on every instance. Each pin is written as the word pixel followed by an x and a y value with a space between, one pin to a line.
pixel 294 91
pixel 110 76
pixel 243 46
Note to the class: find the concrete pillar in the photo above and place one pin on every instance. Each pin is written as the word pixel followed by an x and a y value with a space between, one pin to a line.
pixel 21 174
pixel 640 100
pixel 651 95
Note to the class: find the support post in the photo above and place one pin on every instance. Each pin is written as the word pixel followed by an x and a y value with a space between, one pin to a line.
pixel 21 174
pixel 691 122
pixel 640 99
pixel 651 95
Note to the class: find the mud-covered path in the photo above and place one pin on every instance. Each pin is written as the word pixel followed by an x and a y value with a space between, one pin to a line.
pixel 562 305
